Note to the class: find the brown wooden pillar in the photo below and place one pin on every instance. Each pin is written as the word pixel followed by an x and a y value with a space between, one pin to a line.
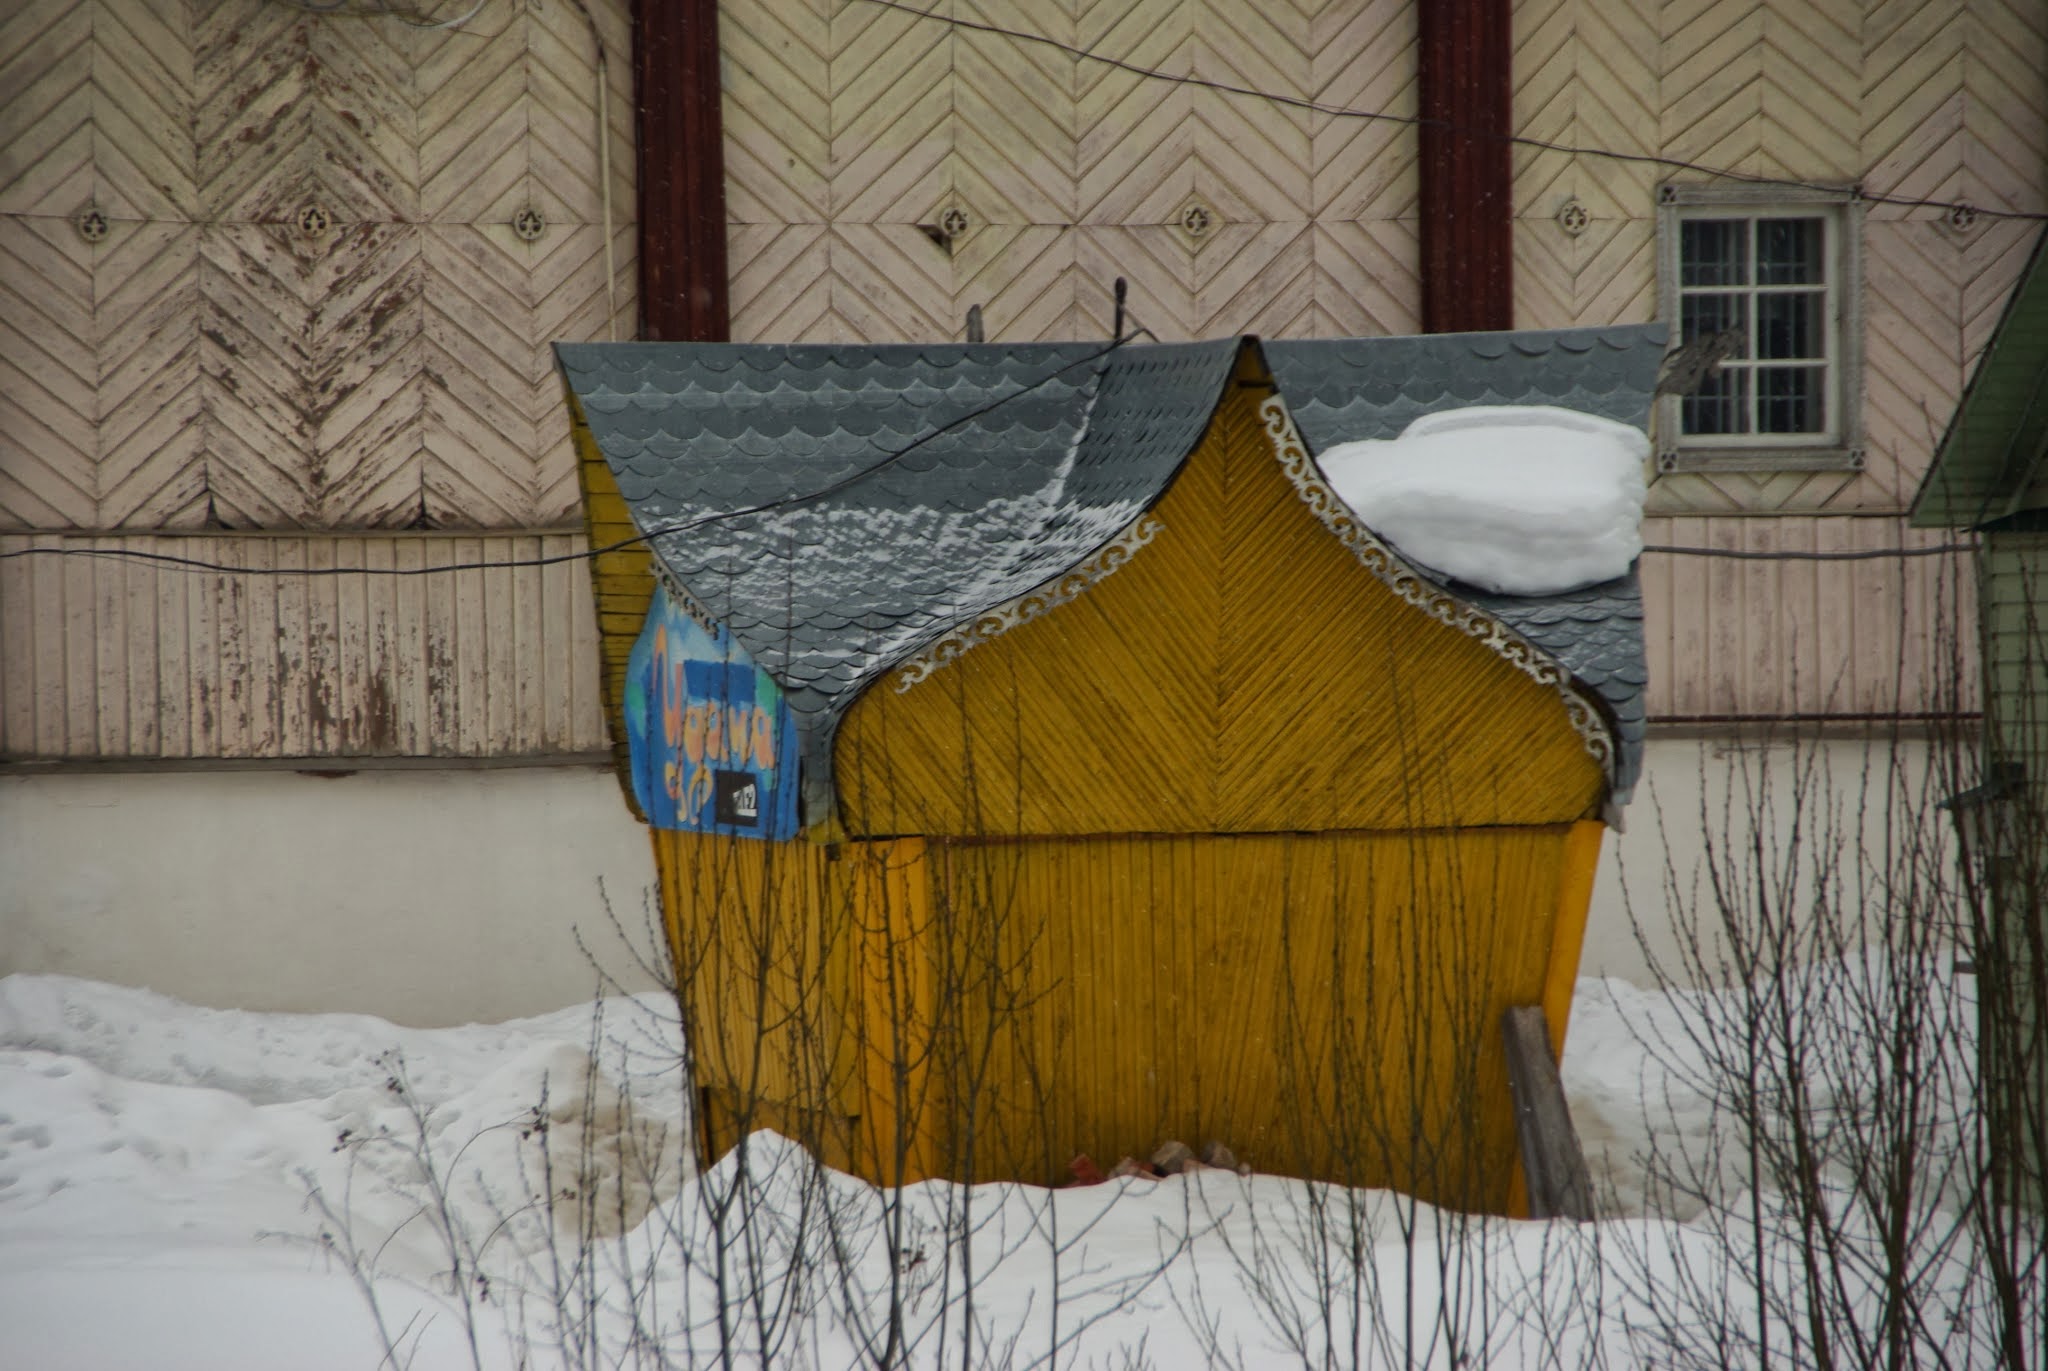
pixel 680 127
pixel 1467 213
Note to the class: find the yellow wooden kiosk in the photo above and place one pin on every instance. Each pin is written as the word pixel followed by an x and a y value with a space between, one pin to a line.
pixel 1041 759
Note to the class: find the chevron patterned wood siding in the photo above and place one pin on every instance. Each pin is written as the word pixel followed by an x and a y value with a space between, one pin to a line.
pixel 885 171
pixel 263 268
pixel 1916 99
pixel 309 307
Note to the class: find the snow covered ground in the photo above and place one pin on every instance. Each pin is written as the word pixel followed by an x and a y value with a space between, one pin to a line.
pixel 159 1162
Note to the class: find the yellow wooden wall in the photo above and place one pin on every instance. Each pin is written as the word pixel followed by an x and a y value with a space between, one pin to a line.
pixel 1241 673
pixel 760 947
pixel 1235 845
pixel 1327 1004
pixel 621 581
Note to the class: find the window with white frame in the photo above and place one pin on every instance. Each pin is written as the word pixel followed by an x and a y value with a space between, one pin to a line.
pixel 1765 308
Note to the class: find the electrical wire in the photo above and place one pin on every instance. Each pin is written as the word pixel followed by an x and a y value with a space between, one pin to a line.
pixel 1788 555
pixel 591 554
pixel 1149 73
pixel 1418 121
pixel 888 460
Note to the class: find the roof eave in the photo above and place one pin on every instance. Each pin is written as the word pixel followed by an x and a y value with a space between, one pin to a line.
pixel 1974 477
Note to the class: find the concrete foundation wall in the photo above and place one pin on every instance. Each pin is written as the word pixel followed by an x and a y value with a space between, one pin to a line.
pixel 1702 793
pixel 427 897
pixel 445 896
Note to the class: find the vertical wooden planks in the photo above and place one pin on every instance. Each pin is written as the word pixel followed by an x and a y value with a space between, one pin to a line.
pixel 145 713
pixel 468 613
pixel 525 649
pixel 355 618
pixel 1308 998
pixel 1577 868
pixel 80 679
pixel 324 681
pixel 501 666
pixel 412 701
pixel 170 683
pixel 17 632
pixel 110 716
pixel 1657 574
pixel 894 962
pixel 1867 635
pixel 110 657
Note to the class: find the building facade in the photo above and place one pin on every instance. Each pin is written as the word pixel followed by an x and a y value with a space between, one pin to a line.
pixel 279 282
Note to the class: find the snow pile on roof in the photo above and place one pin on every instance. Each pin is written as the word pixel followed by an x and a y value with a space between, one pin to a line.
pixel 1517 499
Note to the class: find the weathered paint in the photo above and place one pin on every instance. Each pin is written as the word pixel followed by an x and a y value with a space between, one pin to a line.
pixel 710 737
pixel 217 362
pixel 1875 637
pixel 108 657
pixel 310 308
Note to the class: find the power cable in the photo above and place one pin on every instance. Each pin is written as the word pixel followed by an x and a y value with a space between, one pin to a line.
pixel 1418 121
pixel 1788 555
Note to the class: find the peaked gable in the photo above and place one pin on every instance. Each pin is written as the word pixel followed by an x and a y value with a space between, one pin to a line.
pixel 835 508
pixel 845 510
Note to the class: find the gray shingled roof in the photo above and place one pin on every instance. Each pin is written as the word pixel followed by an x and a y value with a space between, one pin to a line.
pixel 1346 389
pixel 1043 453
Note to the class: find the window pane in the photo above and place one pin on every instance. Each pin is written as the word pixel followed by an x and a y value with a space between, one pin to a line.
pixel 1788 252
pixel 1721 405
pixel 1713 252
pixel 1789 326
pixel 1701 315
pixel 1791 399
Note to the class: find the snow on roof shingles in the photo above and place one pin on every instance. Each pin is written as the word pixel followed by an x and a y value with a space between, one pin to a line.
pixel 1045 452
pixel 1346 389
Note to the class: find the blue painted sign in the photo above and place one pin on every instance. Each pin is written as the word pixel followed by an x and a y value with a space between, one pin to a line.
pixel 713 745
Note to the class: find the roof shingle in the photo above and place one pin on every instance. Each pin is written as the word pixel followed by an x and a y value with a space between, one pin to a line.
pixel 839 507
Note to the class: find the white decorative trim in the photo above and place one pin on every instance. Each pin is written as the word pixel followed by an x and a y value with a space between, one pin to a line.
pixel 1424 594
pixel 1030 605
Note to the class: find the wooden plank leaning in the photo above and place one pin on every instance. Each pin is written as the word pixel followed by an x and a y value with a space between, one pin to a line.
pixel 1559 1185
